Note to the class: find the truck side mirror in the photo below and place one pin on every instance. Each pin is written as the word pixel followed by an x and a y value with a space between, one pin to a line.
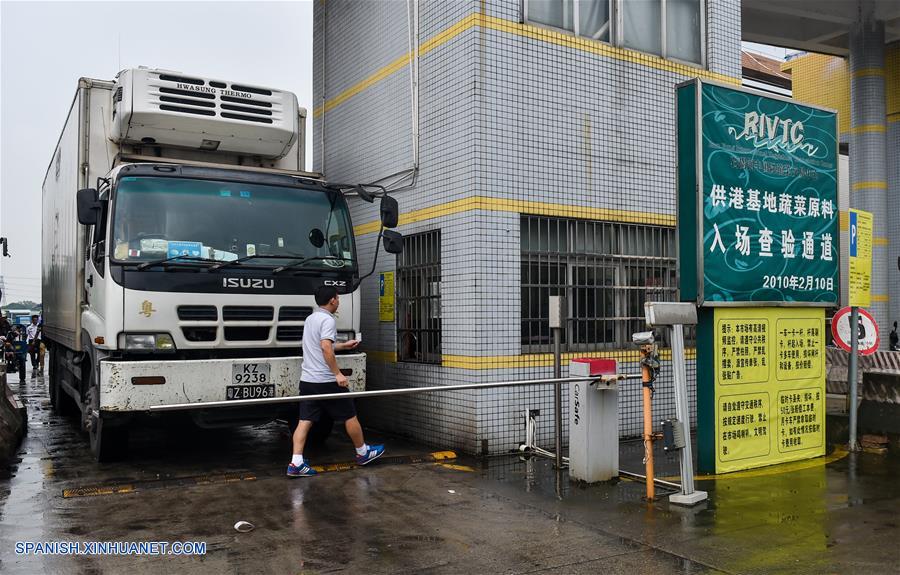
pixel 88 203
pixel 390 212
pixel 393 242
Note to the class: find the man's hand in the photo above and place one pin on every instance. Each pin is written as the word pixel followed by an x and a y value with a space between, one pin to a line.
pixel 342 380
pixel 347 345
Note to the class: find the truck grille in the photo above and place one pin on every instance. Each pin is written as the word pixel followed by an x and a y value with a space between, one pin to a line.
pixel 289 333
pixel 247 313
pixel 197 313
pixel 294 313
pixel 250 333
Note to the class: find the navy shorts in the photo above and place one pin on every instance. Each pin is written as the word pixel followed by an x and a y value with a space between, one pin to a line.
pixel 336 409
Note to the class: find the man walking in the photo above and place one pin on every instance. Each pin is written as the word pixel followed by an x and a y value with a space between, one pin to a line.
pixel 33 338
pixel 320 374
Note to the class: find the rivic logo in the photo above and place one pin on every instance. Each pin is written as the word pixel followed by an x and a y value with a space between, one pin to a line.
pixel 773 133
pixel 248 283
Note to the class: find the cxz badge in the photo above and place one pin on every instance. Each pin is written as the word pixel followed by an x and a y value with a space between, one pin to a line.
pixel 335 283
pixel 147 308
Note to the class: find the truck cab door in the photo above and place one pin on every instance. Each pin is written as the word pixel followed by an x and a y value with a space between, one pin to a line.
pixel 95 269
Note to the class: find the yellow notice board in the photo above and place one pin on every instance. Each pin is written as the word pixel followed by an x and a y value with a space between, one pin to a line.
pixel 860 276
pixel 386 297
pixel 769 386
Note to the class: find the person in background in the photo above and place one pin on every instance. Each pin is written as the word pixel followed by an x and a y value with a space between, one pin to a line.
pixel 895 339
pixel 33 339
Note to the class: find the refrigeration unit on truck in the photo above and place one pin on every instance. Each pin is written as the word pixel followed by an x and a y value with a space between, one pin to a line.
pixel 182 243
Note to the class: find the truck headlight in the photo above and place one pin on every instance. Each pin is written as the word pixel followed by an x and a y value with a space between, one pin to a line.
pixel 146 342
pixel 343 336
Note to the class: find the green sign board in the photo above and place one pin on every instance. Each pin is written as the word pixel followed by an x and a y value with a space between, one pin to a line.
pixel 757 199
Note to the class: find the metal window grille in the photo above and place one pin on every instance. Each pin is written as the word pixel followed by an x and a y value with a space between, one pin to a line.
pixel 606 271
pixel 419 299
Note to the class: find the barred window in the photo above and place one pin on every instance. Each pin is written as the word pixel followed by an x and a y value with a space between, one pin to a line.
pixel 605 270
pixel 668 28
pixel 419 298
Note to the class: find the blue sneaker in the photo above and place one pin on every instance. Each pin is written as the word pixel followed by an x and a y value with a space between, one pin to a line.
pixel 374 452
pixel 302 470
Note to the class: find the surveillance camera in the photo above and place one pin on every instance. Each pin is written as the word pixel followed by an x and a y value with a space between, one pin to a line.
pixel 643 338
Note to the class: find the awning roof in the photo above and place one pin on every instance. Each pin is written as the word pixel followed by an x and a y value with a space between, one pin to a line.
pixel 812 25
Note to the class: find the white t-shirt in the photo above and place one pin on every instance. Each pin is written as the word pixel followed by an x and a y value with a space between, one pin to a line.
pixel 318 326
pixel 31 332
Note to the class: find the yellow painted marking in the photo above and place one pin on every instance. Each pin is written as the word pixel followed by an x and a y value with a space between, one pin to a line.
pixel 844 221
pixel 95 491
pixel 880 298
pixel 867 72
pixel 868 129
pixel 525 31
pixel 837 455
pixel 437 456
pixel 443 455
pixel 882 185
pixel 880 241
pixel 456 467
pixel 382 356
pixel 524 207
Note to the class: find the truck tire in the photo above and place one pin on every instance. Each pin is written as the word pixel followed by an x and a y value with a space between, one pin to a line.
pixel 62 404
pixel 108 442
pixel 320 431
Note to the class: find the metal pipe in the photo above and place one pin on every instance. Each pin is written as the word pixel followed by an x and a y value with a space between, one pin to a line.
pixel 852 371
pixel 557 396
pixel 374 393
pixel 644 478
pixel 682 411
pixel 647 381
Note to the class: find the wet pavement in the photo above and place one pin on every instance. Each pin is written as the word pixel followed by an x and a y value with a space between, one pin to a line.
pixel 409 514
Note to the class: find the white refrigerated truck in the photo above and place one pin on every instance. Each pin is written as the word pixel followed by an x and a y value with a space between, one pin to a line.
pixel 182 243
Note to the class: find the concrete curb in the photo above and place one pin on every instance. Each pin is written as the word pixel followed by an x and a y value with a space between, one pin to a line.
pixel 13 420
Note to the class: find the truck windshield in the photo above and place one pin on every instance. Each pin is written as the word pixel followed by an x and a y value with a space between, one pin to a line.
pixel 217 220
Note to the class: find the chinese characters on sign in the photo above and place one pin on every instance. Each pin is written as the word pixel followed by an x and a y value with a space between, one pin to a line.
pixel 757 202
pixel 860 276
pixel 386 297
pixel 768 411
pixel 784 204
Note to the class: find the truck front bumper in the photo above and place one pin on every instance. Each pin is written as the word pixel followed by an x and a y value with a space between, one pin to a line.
pixel 201 381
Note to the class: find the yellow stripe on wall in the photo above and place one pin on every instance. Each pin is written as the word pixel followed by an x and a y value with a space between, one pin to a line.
pixel 524 207
pixel 868 129
pixel 844 221
pixel 880 298
pixel 525 31
pixel 530 360
pixel 869 186
pixel 864 72
pixel 880 241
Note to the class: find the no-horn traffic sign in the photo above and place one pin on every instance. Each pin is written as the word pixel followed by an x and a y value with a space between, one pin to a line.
pixel 869 338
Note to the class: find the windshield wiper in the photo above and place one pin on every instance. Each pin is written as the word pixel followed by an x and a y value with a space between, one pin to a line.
pixel 185 259
pixel 245 258
pixel 300 263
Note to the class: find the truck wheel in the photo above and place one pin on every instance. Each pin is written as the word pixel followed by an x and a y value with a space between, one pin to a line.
pixel 60 401
pixel 320 431
pixel 107 442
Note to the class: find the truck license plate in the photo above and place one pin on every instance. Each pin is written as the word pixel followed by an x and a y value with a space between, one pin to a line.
pixel 244 373
pixel 252 391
